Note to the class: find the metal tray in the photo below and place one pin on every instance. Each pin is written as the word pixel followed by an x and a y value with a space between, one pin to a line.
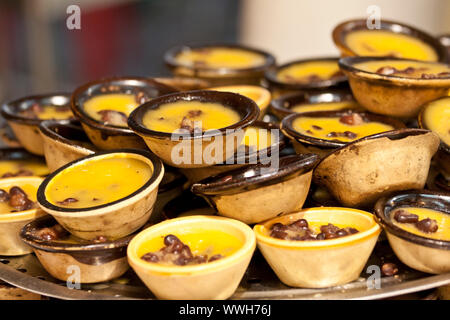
pixel 259 282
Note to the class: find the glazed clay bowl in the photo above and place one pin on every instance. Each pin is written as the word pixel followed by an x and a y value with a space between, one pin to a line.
pixel 391 95
pixel 207 281
pixel 64 141
pixel 34 165
pixel 218 76
pixel 107 136
pixel 282 106
pixel 280 87
pixel 26 129
pixel 369 168
pixel 97 262
pixel 260 192
pixel 11 223
pixel 112 220
pixel 320 263
pixel 341 31
pixel 170 147
pixel 303 143
pixel 416 251
pixel 242 158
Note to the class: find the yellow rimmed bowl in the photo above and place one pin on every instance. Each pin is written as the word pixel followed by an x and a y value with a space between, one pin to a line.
pixel 320 263
pixel 111 220
pixel 214 280
pixel 11 223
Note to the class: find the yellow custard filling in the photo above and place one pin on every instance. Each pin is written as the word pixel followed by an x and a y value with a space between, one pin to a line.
pixel 325 127
pixel 48 112
pixel 220 57
pixel 97 181
pixel 120 102
pixel 386 43
pixel 29 189
pixel 326 106
pixel 258 138
pixel 23 168
pixel 172 117
pixel 406 69
pixel 436 117
pixel 309 71
pixel 201 242
pixel 442 219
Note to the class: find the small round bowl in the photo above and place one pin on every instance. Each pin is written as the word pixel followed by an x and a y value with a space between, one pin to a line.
pixel 418 252
pixel 26 129
pixel 214 280
pixel 97 262
pixel 113 220
pixel 366 169
pixel 240 159
pixel 320 263
pixel 282 106
pixel 37 166
pixel 307 144
pixel 342 30
pixel 64 141
pixel 280 87
pixel 11 223
pixel 107 136
pixel 260 192
pixel 260 95
pixel 442 157
pixel 391 95
pixel 164 144
pixel 219 76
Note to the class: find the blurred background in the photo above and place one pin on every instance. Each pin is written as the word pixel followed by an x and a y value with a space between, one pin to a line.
pixel 38 53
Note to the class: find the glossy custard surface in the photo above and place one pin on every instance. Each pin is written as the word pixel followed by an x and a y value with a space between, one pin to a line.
pixel 405 69
pixel 323 127
pixel 200 241
pixel 220 57
pixel 309 71
pixel 23 168
pixel 97 181
pixel 436 117
pixel 258 138
pixel 120 102
pixel 442 219
pixel 171 117
pixel 325 106
pixel 48 112
pixel 29 189
pixel 386 43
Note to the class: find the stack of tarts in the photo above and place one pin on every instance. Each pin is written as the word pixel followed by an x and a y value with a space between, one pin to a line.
pixel 183 178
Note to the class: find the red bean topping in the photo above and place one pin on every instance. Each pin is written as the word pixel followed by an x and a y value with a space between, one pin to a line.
pixel 99 239
pixel 113 117
pixel 403 216
pixel 316 127
pixel 150 257
pixel 194 113
pixel 332 134
pixel 299 224
pixel 427 225
pixel 351 119
pixel 55 232
pixel 389 269
pixel 350 135
pixel 444 74
pixel 67 201
pixel 4 196
pixel 19 200
pixel 386 71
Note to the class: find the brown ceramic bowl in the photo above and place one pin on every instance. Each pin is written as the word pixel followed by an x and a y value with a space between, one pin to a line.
pixel 282 106
pixel 418 252
pixel 303 143
pixel 260 192
pixel 25 128
pixel 163 144
pixel 364 170
pixel 20 154
pixel 279 87
pixel 64 141
pixel 388 94
pixel 219 76
pixel 97 262
pixel 342 30
pixel 107 136
pixel 243 157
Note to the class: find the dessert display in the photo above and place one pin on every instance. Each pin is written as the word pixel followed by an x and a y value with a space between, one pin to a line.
pixel 391 39
pixel 220 118
pixel 187 279
pixel 117 201
pixel 25 114
pixel 305 75
pixel 219 64
pixel 103 106
pixel 393 86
